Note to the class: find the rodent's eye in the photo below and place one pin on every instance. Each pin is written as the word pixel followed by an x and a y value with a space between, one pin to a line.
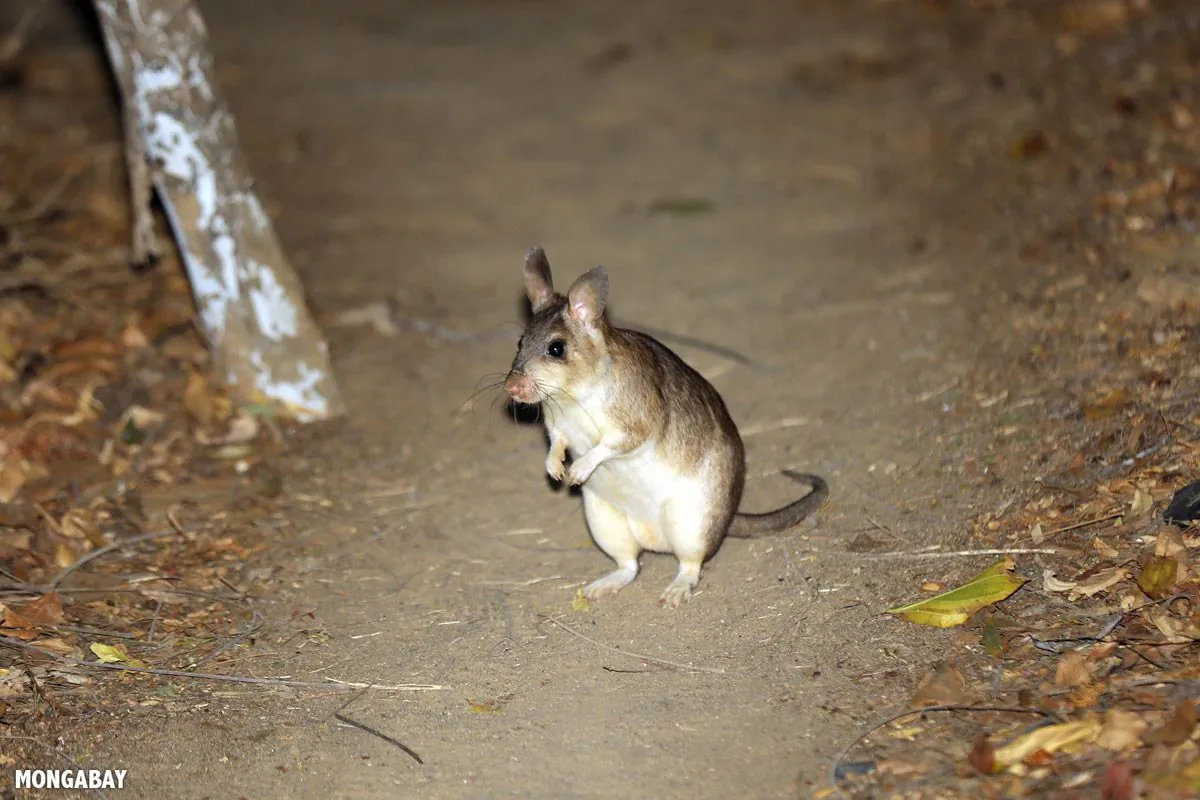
pixel 557 349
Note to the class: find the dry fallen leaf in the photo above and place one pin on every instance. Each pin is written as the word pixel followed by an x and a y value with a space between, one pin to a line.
pixel 944 685
pixel 13 474
pixel 1178 727
pixel 1122 730
pixel 242 429
pixel 1049 739
pixel 1098 582
pixel 1053 584
pixel 1072 670
pixel 1174 629
pixel 1117 782
pixel 79 523
pixel 59 646
pixel 1106 405
pixel 200 401
pixel 983 755
pixel 1104 548
pixel 17 626
pixel 46 610
pixel 1170 542
pixel 1142 502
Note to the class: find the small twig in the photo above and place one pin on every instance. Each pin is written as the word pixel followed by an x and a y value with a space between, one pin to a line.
pixel 630 653
pixel 340 717
pixel 1109 627
pixel 158 604
pixel 173 521
pixel 878 525
pixel 837 763
pixel 58 754
pixel 94 632
pixel 54 524
pixel 965 553
pixel 400 687
pixel 925 397
pixel 241 595
pixel 43 205
pixel 207 676
pixel 1086 523
pixel 100 551
pixel 256 623
pixel 11 45
pixel 1145 657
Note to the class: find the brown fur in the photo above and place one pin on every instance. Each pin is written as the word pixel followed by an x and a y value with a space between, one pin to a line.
pixel 648 394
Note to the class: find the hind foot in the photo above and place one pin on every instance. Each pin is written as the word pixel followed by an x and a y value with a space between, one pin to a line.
pixel 613 582
pixel 681 588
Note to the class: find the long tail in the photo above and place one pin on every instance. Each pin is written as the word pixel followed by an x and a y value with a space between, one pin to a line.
pixel 745 526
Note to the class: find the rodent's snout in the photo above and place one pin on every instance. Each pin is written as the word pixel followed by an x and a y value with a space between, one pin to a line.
pixel 520 387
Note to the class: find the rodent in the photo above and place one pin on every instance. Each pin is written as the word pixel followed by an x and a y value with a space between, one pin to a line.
pixel 658 458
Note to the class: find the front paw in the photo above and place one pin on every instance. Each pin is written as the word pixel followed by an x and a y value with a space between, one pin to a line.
pixel 579 472
pixel 555 468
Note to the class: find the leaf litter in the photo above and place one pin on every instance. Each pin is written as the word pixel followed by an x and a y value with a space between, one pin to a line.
pixel 133 494
pixel 1098 434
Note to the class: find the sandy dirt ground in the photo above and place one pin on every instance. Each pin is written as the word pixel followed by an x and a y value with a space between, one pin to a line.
pixel 786 181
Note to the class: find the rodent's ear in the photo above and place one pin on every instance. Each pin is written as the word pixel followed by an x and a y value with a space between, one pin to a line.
pixel 587 297
pixel 539 286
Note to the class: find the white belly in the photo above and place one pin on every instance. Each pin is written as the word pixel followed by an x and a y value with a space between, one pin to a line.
pixel 642 484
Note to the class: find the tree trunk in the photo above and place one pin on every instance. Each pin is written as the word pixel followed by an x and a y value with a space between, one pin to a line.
pixel 180 139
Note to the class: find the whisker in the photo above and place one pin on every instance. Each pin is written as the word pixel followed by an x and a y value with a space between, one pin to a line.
pixel 471 399
pixel 558 389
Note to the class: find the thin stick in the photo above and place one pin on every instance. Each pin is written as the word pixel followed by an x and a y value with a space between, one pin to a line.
pixel 255 624
pixel 12 44
pixel 630 653
pixel 837 763
pixel 1086 523
pixel 208 676
pixel 964 553
pixel 57 753
pixel 340 717
pixel 101 551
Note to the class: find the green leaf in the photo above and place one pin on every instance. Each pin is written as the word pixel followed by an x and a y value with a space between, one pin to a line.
pixel 130 434
pixel 682 206
pixel 955 606
pixel 108 654
pixel 990 639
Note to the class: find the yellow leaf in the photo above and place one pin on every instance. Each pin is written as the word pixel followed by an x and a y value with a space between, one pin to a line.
pixel 580 603
pixel 108 654
pixel 1158 577
pixel 485 706
pixel 1050 738
pixel 1122 730
pixel 955 606
pixel 1001 567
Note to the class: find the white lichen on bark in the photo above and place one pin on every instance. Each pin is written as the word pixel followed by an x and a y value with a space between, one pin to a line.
pixel 250 303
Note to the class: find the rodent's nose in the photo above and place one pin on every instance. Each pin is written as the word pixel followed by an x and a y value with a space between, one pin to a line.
pixel 520 387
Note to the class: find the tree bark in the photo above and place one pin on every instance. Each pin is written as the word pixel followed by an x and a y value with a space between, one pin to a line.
pixel 180 139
